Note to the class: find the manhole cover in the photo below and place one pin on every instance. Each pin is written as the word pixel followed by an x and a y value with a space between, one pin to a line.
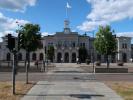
pixel 76 78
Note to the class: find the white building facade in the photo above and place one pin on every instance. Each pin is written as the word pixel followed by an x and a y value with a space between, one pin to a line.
pixel 66 46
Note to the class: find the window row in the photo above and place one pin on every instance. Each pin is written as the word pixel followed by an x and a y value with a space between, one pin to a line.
pixel 124 46
pixel 20 56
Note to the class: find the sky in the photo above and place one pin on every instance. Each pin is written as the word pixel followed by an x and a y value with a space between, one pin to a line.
pixel 84 15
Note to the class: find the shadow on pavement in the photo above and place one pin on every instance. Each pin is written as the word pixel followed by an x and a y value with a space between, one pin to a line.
pixel 81 96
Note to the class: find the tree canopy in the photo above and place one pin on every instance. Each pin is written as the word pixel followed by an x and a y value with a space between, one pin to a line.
pixel 105 42
pixel 29 37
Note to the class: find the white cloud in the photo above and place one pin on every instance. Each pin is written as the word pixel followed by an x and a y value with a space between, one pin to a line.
pixel 106 11
pixel 47 33
pixel 9 25
pixel 16 5
pixel 126 34
pixel 90 25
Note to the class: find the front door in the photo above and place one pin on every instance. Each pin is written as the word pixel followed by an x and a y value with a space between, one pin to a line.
pixel 66 57
pixel 59 56
pixel 124 57
pixel 73 57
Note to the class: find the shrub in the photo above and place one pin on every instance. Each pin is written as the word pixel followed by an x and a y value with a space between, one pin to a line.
pixel 88 61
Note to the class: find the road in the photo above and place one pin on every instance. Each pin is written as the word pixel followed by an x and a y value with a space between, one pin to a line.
pixel 77 75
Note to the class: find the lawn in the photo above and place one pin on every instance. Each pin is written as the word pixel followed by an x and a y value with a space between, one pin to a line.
pixel 6 90
pixel 124 89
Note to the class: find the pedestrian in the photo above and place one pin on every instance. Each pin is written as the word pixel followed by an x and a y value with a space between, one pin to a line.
pixel 131 59
pixel 61 60
pixel 43 66
pixel 36 63
pixel 77 60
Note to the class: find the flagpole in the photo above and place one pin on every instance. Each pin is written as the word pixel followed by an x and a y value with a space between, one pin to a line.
pixel 67 10
pixel 66 13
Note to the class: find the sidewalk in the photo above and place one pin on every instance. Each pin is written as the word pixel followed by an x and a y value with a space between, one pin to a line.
pixel 70 89
pixel 44 90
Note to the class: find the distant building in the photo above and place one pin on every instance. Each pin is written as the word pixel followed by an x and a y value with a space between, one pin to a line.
pixel 124 49
pixel 67 44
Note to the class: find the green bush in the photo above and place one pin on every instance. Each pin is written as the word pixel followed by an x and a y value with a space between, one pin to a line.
pixel 88 61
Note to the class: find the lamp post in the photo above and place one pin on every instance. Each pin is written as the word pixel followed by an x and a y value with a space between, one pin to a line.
pixel 93 58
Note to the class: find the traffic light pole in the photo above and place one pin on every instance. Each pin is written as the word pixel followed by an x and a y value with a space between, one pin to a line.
pixel 11 47
pixel 13 74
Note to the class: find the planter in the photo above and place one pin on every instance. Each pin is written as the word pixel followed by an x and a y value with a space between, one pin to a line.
pixel 120 63
pixel 98 63
pixel 111 70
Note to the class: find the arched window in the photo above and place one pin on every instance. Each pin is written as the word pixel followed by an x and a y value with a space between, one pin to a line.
pixel 19 56
pixel 34 56
pixel 41 56
pixel 8 57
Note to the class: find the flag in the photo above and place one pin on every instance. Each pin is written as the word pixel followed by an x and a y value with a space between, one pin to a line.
pixel 68 6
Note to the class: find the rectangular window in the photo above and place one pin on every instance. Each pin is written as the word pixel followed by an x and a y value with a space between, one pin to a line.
pixel 73 44
pixel 80 44
pixel 123 45
pixel 83 44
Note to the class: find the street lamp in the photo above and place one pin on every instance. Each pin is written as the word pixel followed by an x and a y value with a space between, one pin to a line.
pixel 92 50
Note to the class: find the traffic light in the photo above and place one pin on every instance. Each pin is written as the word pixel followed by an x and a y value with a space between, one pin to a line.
pixel 20 41
pixel 10 42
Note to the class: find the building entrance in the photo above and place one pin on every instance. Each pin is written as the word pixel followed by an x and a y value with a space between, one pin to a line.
pixel 66 58
pixel 124 57
pixel 73 57
pixel 59 56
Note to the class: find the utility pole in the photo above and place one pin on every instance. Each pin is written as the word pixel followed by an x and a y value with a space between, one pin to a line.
pixel 93 50
pixel 93 53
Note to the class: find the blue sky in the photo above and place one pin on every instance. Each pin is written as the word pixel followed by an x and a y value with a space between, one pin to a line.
pixel 85 15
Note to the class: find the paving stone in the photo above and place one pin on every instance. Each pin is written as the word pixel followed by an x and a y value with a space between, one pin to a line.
pixel 70 89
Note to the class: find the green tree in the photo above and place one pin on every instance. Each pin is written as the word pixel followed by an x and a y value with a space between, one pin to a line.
pixel 83 54
pixel 29 39
pixel 50 53
pixel 105 42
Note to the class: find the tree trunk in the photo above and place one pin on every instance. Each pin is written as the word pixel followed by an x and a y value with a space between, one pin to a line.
pixel 27 66
pixel 107 61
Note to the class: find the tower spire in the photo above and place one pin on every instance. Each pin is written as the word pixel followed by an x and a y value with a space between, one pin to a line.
pixel 67 22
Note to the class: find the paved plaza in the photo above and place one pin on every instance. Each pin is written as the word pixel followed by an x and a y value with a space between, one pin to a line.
pixel 78 87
